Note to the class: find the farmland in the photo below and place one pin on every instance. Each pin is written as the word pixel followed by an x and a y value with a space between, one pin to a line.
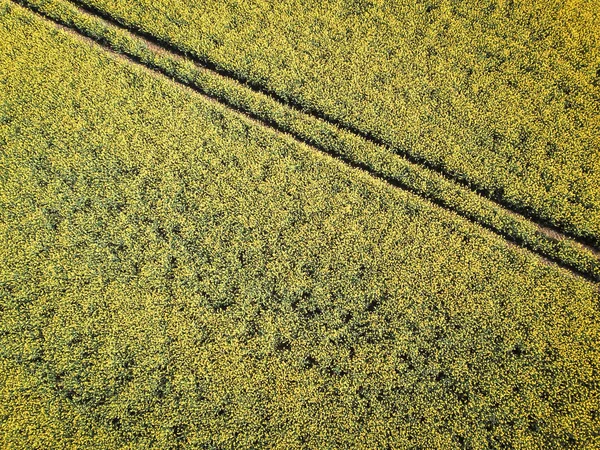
pixel 328 138
pixel 502 96
pixel 181 270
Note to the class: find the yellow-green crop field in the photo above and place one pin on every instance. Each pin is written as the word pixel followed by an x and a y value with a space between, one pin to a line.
pixel 247 224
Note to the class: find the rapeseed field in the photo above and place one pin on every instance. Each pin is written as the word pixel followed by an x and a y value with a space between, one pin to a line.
pixel 247 225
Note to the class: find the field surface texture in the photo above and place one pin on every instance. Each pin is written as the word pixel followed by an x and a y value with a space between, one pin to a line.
pixel 191 262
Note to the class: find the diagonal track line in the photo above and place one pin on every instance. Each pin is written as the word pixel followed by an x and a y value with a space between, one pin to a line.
pixel 290 102
pixel 277 128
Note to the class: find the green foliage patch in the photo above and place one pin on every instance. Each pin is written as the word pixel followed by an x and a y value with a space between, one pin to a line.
pixel 174 274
